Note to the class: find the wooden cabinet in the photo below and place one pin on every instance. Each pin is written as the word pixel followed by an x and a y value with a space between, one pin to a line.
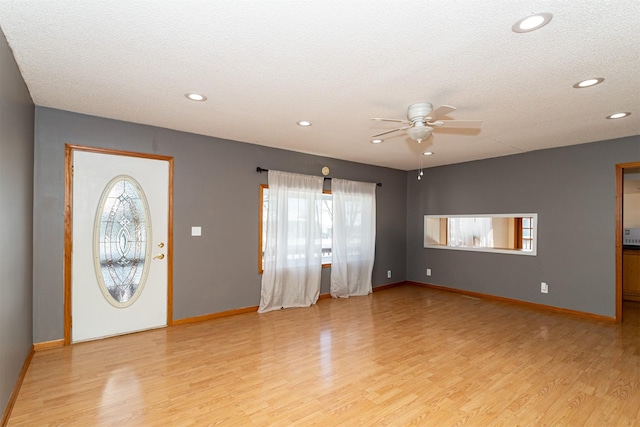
pixel 631 274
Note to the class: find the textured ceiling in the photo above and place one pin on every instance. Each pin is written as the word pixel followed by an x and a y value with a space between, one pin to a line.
pixel 264 65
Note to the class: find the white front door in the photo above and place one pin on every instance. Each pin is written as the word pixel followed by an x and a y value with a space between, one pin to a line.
pixel 119 279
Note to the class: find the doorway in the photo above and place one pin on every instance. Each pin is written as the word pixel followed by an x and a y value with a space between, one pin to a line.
pixel 118 242
pixel 620 194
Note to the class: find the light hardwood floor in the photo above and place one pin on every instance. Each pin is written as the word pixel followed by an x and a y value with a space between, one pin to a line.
pixel 403 356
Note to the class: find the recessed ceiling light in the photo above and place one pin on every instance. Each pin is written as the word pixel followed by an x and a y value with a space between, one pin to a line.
pixel 531 23
pixel 427 153
pixel 589 82
pixel 304 123
pixel 376 141
pixel 618 115
pixel 195 96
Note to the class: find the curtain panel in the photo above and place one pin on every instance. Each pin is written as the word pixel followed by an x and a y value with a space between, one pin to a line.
pixel 474 232
pixel 293 250
pixel 354 237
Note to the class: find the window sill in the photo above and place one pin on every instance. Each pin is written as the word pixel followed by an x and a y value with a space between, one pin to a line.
pixel 492 250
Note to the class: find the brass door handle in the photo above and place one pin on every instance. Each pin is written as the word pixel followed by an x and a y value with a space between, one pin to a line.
pixel 161 245
pixel 161 256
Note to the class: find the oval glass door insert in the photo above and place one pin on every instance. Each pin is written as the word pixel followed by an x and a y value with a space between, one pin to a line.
pixel 121 246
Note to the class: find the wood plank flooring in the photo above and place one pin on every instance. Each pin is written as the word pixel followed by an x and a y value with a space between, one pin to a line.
pixel 403 356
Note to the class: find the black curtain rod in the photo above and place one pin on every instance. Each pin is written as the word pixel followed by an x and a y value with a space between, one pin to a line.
pixel 260 170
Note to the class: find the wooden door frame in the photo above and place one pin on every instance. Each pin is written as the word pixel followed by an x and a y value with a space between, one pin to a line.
pixel 619 226
pixel 68 227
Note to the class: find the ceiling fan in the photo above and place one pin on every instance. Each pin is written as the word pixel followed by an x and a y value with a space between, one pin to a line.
pixel 423 119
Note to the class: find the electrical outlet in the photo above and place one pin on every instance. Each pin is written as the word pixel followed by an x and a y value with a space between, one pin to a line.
pixel 428 272
pixel 388 274
pixel 544 288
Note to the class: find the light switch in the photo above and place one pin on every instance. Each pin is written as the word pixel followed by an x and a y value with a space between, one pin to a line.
pixel 196 231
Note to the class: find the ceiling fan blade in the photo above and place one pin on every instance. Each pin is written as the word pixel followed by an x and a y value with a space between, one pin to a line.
pixel 390 131
pixel 466 124
pixel 443 110
pixel 379 119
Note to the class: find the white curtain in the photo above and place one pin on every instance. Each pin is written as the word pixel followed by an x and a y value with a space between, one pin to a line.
pixel 472 232
pixel 354 237
pixel 293 252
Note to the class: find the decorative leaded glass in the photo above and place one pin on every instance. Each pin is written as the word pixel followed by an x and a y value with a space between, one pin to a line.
pixel 120 241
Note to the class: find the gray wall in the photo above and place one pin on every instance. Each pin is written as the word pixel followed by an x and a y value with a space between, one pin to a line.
pixel 216 187
pixel 16 212
pixel 573 191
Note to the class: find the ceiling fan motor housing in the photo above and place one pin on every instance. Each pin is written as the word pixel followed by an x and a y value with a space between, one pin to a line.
pixel 418 111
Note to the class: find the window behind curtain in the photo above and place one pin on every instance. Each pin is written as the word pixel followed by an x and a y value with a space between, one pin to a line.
pixel 326 208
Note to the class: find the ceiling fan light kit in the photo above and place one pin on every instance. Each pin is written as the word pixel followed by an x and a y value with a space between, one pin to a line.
pixel 419 132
